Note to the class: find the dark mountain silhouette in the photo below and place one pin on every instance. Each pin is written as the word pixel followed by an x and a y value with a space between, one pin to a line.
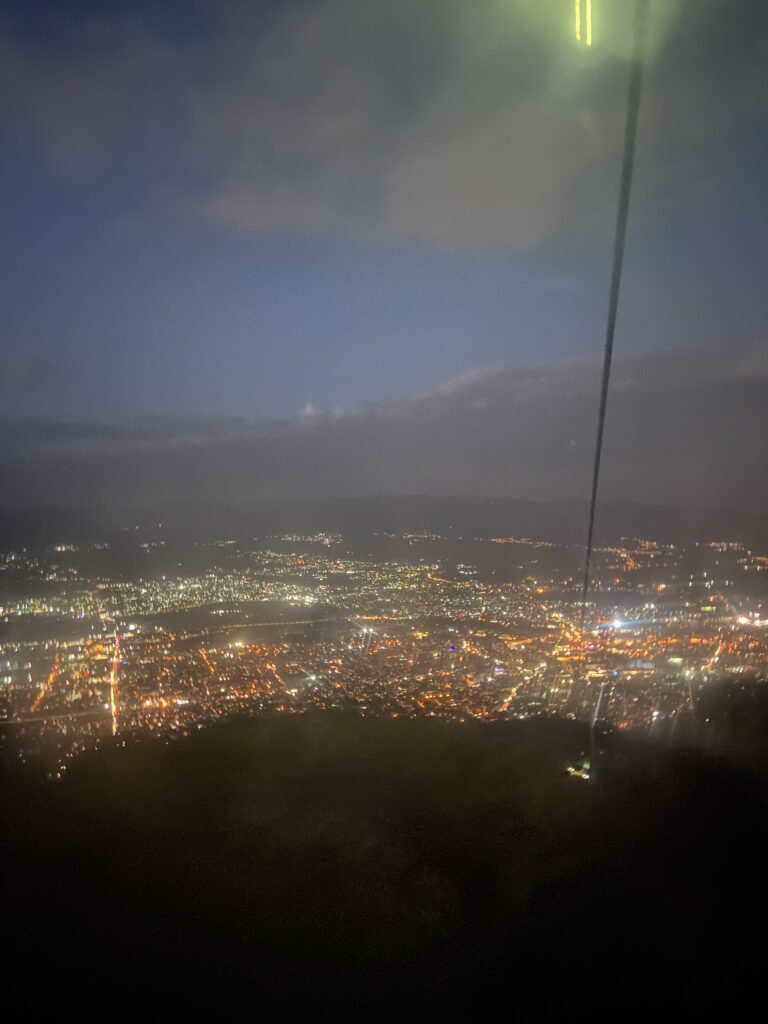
pixel 560 521
pixel 332 864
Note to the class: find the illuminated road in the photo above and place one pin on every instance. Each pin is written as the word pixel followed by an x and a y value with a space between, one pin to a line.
pixel 113 684
pixel 52 677
pixel 91 712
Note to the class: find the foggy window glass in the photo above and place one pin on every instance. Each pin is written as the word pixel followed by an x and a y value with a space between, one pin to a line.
pixel 383 548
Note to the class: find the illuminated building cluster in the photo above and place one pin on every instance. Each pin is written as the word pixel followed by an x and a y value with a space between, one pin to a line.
pixel 299 623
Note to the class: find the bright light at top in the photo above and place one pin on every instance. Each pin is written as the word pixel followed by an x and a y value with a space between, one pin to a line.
pixel 583 21
pixel 617 624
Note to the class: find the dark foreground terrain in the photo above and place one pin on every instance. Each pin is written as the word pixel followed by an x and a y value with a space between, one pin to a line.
pixel 326 863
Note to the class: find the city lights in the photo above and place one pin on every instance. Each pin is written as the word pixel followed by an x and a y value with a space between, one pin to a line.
pixel 308 626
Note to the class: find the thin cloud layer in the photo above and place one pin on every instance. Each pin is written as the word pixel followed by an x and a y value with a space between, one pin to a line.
pixel 680 429
pixel 442 123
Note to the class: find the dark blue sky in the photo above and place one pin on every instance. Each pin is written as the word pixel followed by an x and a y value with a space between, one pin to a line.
pixel 242 209
pixel 351 247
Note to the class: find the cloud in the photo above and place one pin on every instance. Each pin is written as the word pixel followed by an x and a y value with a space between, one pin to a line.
pixel 463 381
pixel 440 122
pixel 682 428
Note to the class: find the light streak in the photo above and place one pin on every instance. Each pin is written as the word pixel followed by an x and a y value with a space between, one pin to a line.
pixel 583 24
pixel 52 677
pixel 113 685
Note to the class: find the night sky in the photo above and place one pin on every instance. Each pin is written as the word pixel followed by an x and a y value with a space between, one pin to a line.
pixel 235 233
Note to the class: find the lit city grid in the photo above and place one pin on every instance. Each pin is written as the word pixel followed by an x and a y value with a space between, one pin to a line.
pixel 291 623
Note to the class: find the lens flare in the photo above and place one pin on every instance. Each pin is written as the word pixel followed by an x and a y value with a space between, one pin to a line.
pixel 583 21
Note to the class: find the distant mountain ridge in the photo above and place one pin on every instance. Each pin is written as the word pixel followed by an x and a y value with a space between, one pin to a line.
pixel 558 521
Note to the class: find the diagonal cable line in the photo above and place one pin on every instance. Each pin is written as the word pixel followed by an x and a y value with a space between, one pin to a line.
pixel 622 216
